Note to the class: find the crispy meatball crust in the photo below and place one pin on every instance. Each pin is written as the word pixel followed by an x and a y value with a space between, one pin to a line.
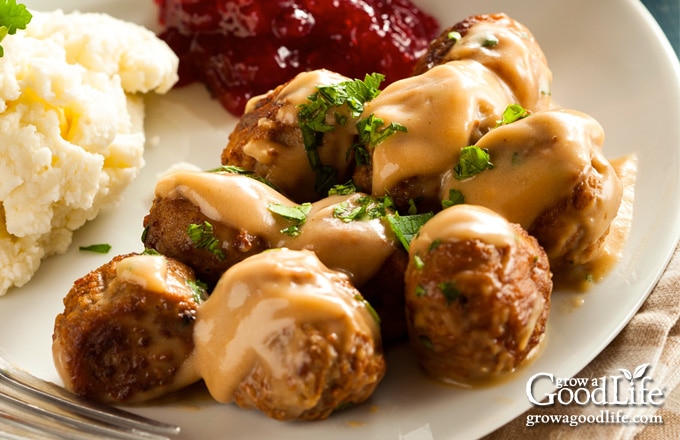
pixel 119 343
pixel 268 140
pixel 326 382
pixel 578 249
pixel 166 227
pixel 476 310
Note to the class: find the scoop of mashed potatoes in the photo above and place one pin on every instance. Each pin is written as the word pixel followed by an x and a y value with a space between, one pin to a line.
pixel 71 118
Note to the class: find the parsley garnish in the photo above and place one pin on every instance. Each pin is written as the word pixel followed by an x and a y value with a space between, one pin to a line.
pixel 490 41
pixel 369 307
pixel 312 119
pixel 512 113
pixel 296 214
pixel 361 208
pixel 406 227
pixel 434 245
pixel 449 290
pixel 372 132
pixel 419 263
pixel 203 237
pixel 473 160
pixel 199 289
pixel 455 198
pixel 102 248
pixel 343 190
pixel 454 35
pixel 233 169
pixel 13 16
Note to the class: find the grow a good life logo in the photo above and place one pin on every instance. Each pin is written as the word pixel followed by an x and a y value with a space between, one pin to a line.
pixel 628 389
pixel 633 389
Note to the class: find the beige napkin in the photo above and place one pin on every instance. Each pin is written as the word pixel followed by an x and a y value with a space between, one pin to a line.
pixel 652 337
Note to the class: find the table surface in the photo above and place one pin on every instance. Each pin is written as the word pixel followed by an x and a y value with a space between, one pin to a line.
pixel 667 14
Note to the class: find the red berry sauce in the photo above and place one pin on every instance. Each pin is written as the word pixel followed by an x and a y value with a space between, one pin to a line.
pixel 242 48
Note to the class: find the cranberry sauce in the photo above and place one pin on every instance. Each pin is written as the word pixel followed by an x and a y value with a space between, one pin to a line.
pixel 242 48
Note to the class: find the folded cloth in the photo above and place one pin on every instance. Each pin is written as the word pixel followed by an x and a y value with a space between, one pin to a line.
pixel 652 338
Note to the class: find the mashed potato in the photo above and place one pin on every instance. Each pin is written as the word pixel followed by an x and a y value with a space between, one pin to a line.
pixel 71 118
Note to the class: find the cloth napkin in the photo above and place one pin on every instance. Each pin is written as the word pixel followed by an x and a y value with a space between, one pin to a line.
pixel 651 337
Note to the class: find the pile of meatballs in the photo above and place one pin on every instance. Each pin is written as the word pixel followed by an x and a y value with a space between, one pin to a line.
pixel 282 296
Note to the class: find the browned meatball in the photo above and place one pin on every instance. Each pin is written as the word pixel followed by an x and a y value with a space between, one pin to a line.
pixel 501 44
pixel 550 176
pixel 284 334
pixel 168 230
pixel 126 332
pixel 268 140
pixel 477 295
pixel 444 109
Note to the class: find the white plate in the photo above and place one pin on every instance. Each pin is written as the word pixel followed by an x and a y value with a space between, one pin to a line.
pixel 609 59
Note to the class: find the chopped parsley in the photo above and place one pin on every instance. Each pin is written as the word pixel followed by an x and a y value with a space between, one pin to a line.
pixel 233 169
pixel 449 290
pixel 369 307
pixel 101 248
pixel 372 132
pixel 418 262
pixel 361 208
pixel 472 161
pixel 312 119
pixel 202 235
pixel 512 113
pixel 412 207
pixel 455 198
pixel 199 289
pixel 454 35
pixel 434 245
pixel 490 40
pixel 343 190
pixel 13 16
pixel 297 215
pixel 406 227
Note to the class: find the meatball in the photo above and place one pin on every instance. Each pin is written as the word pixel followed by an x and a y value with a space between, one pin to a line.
pixel 284 334
pixel 182 228
pixel 444 109
pixel 268 140
pixel 245 217
pixel 126 332
pixel 550 176
pixel 504 46
pixel 477 295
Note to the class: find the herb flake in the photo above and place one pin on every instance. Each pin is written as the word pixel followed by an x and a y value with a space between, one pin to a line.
pixel 202 235
pixel 13 17
pixel 312 119
pixel 100 248
pixel 512 113
pixel 297 215
pixel 455 198
pixel 406 227
pixel 472 161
